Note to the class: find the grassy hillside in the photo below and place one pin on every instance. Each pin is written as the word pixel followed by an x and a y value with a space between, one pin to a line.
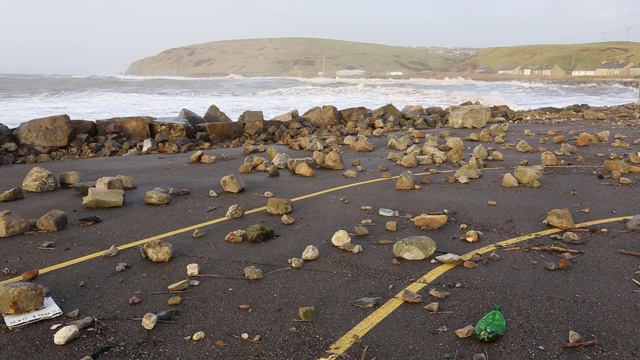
pixel 287 57
pixel 568 57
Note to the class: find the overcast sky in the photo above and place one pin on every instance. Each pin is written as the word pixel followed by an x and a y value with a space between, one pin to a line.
pixel 105 36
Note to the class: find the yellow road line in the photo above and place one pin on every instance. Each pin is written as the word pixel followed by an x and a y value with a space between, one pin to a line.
pixel 358 331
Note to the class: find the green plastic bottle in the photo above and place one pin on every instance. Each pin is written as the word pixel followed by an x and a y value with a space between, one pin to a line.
pixel 491 326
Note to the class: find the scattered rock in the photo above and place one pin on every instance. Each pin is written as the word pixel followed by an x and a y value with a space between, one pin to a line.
pixel 465 332
pixel 278 206
pixel 174 301
pixel 570 237
pixel 21 297
pixel 178 286
pixel 574 337
pixel 523 147
pixel 235 236
pixel 12 195
pixel 509 181
pixel 158 250
pixel 287 219
pixel 259 233
pixel 391 226
pixel 632 225
pixel 360 230
pixel 199 232
pixel 296 263
pixel 306 313
pixel 12 224
pixel 469 116
pixel 193 269
pixel 473 236
pixel 235 211
pixel 39 180
pixel 560 218
pixel 252 272
pixel 439 294
pixel 548 159
pixel 198 336
pixel 426 221
pixel 341 238
pixel 303 169
pixel 528 175
pixel 54 220
pixel 310 253
pixel 157 197
pixel 433 307
pixel 410 296
pixel 149 321
pixel 449 258
pixel 414 248
pixel 367 302
pixel 111 251
pixel 66 334
pixel 103 198
pixel 109 182
pixel 30 275
pixel 406 181
pixel 232 183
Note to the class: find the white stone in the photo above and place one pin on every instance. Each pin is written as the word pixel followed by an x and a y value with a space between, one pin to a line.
pixel 310 253
pixel 66 334
pixel 193 269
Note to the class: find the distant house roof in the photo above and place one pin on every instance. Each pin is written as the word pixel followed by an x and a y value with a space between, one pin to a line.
pixel 510 67
pixel 613 65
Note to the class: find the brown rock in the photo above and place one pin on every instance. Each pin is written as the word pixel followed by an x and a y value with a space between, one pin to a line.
pixel 135 128
pixel 427 221
pixel 100 198
pixel 232 183
pixel 21 297
pixel 560 218
pixel 12 224
pixel 54 220
pixel 158 250
pixel 52 131
pixel 278 206
pixel 12 195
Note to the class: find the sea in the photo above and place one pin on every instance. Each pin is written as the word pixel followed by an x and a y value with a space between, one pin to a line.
pixel 96 97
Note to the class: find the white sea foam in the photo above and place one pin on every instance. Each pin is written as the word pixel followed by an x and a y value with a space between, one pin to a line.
pixel 25 97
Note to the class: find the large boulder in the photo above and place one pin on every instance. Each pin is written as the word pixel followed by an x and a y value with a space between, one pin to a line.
pixel 214 114
pixel 54 220
pixel 52 131
pixel 469 116
pixel 84 127
pixel 5 135
pixel 174 128
pixel 193 118
pixel 135 128
pixel 253 122
pixel 222 131
pixel 39 180
pixel 388 113
pixel 326 116
pixel 355 114
pixel 12 194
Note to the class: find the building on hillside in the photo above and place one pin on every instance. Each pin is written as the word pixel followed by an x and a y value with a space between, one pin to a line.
pixel 635 70
pixel 353 72
pixel 584 71
pixel 510 70
pixel 484 70
pixel 396 73
pixel 527 69
pixel 546 70
pixel 620 68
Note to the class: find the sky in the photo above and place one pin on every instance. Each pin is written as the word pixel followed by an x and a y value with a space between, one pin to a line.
pixel 103 37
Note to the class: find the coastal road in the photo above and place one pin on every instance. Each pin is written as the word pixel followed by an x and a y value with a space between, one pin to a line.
pixel 595 296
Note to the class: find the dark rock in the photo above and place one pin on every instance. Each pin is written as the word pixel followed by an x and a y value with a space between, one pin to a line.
pixel 214 114
pixel 86 127
pixel 193 118
pixel 52 131
pixel 388 113
pixel 135 128
pixel 54 220
pixel 259 233
pixel 222 131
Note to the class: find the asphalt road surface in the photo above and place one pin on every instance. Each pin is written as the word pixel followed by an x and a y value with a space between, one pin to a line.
pixel 595 296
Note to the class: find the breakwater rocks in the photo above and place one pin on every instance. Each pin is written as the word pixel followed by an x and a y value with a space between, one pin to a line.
pixel 61 138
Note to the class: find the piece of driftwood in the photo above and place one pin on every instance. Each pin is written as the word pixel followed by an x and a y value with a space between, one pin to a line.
pixel 627 252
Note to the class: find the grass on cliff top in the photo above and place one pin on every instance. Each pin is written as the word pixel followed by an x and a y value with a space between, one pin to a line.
pixel 288 56
pixel 568 57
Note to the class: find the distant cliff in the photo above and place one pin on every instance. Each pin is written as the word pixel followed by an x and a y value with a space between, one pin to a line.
pixel 289 57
